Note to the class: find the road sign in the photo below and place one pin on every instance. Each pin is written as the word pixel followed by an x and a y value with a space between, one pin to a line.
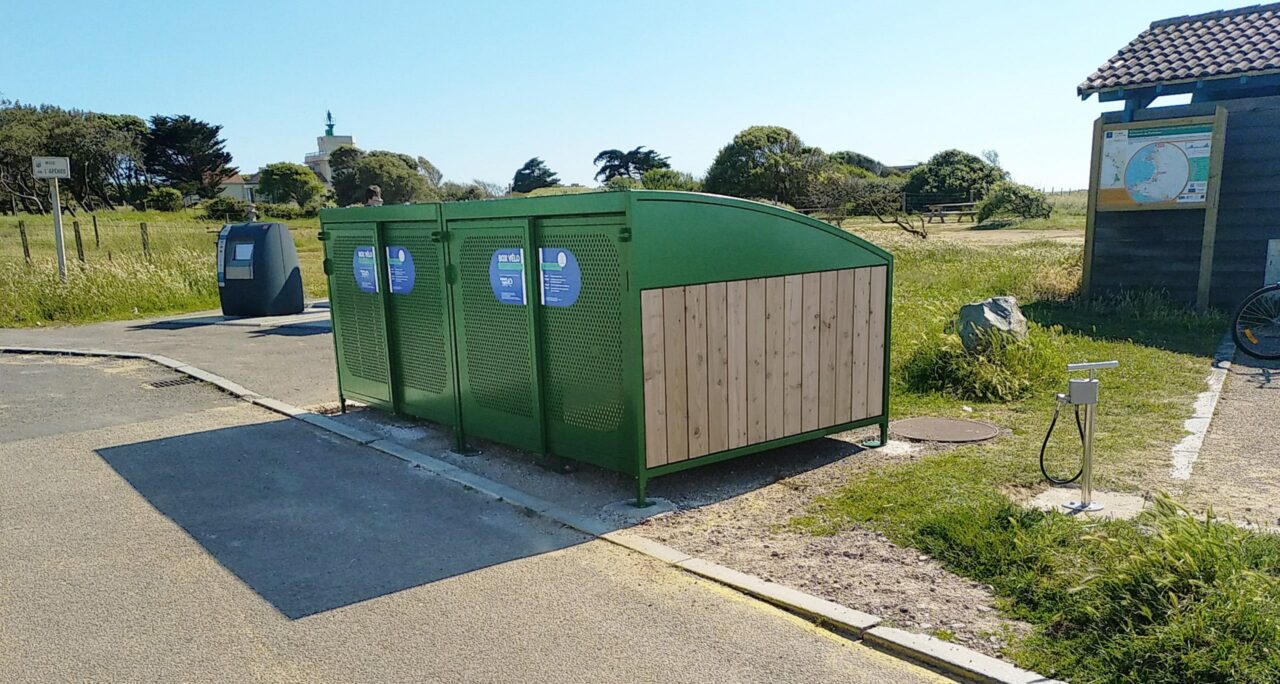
pixel 54 168
pixel 51 167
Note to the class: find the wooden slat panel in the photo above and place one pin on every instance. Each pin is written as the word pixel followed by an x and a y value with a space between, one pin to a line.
pixel 875 344
pixel 809 356
pixel 674 358
pixel 844 346
pixel 861 319
pixel 793 351
pixel 695 342
pixel 756 382
pixel 655 388
pixel 827 352
pixel 737 310
pixel 774 354
pixel 717 369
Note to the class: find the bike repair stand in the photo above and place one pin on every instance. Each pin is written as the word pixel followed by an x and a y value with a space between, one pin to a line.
pixel 1084 392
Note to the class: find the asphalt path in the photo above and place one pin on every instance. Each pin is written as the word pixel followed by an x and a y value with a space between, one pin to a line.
pixel 172 533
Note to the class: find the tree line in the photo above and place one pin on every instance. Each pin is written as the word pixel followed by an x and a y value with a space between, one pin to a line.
pixel 773 164
pixel 115 158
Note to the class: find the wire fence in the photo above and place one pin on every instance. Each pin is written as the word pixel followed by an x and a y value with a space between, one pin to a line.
pixel 89 238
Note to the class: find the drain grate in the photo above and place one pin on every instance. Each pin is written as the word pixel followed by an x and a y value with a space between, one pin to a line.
pixel 175 382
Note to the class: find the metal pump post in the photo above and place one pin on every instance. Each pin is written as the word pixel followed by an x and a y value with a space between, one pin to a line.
pixel 1084 392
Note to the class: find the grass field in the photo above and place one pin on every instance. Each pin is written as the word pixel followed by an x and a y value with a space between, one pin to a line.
pixel 1115 602
pixel 116 279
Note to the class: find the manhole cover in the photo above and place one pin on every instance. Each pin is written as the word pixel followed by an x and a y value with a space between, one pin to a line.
pixel 944 430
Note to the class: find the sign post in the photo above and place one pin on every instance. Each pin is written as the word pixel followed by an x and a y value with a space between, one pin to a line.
pixel 54 168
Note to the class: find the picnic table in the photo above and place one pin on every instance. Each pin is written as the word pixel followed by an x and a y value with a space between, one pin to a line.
pixel 956 209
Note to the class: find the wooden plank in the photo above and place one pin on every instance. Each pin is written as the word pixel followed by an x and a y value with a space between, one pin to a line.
pixel 793 381
pixel 844 346
pixel 674 360
pixel 1210 236
pixel 757 386
pixel 810 369
pixel 655 388
pixel 861 323
pixel 695 344
pixel 1091 207
pixel 737 310
pixel 775 325
pixel 875 344
pixel 827 351
pixel 717 369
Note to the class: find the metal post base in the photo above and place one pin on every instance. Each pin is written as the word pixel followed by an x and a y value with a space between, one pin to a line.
pixel 1082 507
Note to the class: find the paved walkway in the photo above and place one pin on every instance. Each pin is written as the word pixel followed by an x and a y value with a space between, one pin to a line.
pixel 1238 469
pixel 166 534
pixel 289 358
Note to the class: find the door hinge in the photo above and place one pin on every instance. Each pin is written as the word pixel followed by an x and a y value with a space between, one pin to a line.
pixel 624 235
pixel 328 266
pixel 323 236
pixel 439 236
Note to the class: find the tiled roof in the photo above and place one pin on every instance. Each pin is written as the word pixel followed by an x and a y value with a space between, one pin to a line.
pixel 1219 44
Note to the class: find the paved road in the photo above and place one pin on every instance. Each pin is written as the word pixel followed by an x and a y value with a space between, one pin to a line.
pixel 165 534
pixel 289 358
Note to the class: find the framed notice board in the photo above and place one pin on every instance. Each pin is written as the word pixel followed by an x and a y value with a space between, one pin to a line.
pixel 1155 165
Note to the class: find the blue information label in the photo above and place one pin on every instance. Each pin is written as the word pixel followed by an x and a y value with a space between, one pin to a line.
pixel 365 267
pixel 506 275
pixel 400 272
pixel 561 276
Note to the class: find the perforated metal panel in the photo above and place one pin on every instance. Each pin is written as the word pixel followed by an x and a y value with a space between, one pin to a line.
pixel 358 320
pixel 497 335
pixel 420 326
pixel 582 344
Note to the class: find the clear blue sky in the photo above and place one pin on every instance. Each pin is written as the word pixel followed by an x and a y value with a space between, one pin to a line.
pixel 479 87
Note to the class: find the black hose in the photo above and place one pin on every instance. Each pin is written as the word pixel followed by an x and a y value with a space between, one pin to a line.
pixel 1044 445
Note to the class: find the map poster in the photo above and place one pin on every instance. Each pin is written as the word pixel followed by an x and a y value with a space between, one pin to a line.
pixel 1155 167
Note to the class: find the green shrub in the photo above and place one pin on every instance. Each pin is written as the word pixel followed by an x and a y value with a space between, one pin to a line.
pixel 164 199
pixel 1009 198
pixel 670 179
pixel 1003 369
pixel 622 183
pixel 281 211
pixel 225 209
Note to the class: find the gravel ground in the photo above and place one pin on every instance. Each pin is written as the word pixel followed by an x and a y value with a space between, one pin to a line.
pixel 856 568
pixel 1238 470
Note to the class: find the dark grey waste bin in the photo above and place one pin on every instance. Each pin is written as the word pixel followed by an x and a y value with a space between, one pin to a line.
pixel 258 273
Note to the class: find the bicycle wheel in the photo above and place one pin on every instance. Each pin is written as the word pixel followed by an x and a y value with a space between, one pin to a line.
pixel 1256 326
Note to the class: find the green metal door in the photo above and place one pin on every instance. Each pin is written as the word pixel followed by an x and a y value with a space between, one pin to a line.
pixel 418 320
pixel 494 307
pixel 356 284
pixel 582 339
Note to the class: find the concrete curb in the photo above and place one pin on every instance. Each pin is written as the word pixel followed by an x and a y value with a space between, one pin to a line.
pixel 1187 450
pixel 950 659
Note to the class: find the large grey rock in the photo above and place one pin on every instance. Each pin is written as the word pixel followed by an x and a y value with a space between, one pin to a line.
pixel 996 313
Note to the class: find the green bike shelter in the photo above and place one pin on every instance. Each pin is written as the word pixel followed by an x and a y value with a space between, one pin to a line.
pixel 641 331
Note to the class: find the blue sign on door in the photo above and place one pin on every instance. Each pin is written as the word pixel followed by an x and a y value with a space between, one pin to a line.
pixel 506 275
pixel 400 272
pixel 561 276
pixel 365 267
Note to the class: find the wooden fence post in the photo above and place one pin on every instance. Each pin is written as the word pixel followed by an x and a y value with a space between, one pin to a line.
pixel 75 228
pixel 26 249
pixel 146 241
pixel 97 243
